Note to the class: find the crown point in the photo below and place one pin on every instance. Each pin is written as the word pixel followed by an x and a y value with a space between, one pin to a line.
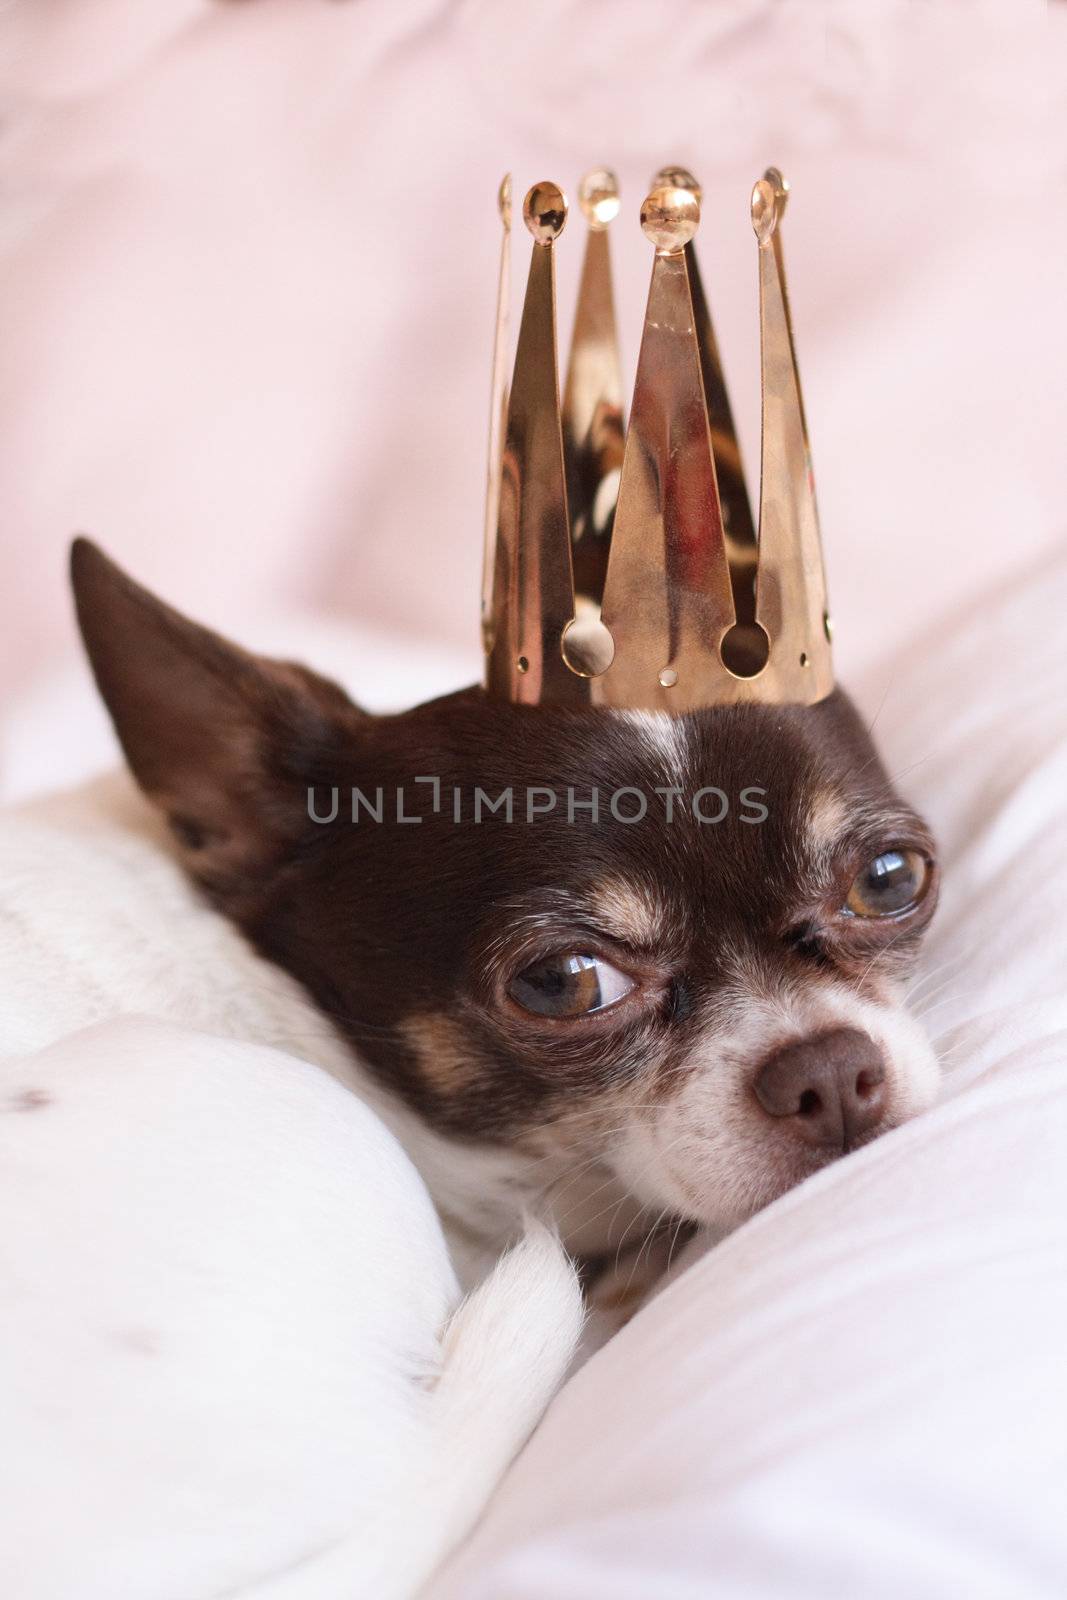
pixel 780 184
pixel 598 196
pixel 766 211
pixel 544 212
pixel 503 200
pixel 678 178
pixel 670 217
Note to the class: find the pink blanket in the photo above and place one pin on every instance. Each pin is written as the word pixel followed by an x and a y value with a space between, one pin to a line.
pixel 247 278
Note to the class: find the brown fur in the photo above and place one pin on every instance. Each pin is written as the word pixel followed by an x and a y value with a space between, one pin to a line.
pixel 406 934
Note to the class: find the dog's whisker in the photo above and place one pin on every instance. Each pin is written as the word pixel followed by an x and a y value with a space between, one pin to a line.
pixel 570 1178
pixel 935 1003
pixel 658 1158
pixel 678 1228
pixel 636 1262
pixel 950 965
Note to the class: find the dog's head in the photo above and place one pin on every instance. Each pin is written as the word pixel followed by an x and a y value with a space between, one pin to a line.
pixel 674 945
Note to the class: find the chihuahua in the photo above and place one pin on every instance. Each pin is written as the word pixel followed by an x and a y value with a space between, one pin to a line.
pixel 643 972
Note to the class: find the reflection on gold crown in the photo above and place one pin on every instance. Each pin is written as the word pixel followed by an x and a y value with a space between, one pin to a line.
pixel 628 573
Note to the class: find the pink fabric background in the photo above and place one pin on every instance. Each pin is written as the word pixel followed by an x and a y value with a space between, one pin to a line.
pixel 247 261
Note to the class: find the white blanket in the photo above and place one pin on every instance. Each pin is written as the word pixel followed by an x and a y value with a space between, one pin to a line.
pixel 233 1356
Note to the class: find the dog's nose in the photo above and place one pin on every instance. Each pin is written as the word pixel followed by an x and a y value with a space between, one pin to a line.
pixel 832 1087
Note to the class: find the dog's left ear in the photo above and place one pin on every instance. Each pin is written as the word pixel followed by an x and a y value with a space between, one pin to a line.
pixel 225 743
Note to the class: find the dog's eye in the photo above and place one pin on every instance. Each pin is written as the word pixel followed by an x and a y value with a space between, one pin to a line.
pixel 893 882
pixel 568 985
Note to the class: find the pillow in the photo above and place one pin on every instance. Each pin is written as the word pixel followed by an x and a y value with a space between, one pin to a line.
pixel 861 1392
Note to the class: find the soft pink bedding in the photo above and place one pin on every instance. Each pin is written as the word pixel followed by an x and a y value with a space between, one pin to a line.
pixel 247 259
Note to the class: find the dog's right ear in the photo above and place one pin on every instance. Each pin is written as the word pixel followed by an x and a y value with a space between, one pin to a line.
pixel 225 743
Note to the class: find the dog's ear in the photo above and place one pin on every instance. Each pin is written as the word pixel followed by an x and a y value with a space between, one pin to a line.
pixel 225 743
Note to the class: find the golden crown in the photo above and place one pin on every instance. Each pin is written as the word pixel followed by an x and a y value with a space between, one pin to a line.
pixel 625 570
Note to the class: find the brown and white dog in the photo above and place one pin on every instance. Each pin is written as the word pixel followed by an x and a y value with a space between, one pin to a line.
pixel 665 1013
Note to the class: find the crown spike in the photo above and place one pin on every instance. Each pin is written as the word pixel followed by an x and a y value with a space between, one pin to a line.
pixel 681 625
pixel 498 409
pixel 592 401
pixel 533 594
pixel 667 599
pixel 791 585
pixel 729 468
